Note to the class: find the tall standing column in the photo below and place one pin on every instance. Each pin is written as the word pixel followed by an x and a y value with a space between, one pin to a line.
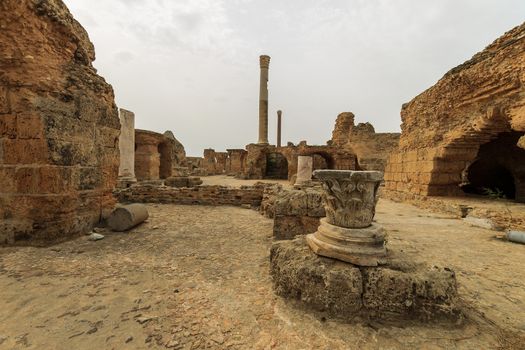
pixel 279 115
pixel 264 62
pixel 127 146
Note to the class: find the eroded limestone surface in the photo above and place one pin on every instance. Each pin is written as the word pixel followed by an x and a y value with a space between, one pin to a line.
pixel 59 126
pixel 399 289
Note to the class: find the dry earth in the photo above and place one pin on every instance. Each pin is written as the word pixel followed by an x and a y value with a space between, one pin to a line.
pixel 225 180
pixel 196 277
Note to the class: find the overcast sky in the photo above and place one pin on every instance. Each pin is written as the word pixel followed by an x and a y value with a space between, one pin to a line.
pixel 192 66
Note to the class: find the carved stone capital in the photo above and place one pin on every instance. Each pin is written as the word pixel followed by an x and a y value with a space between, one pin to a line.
pixel 350 197
pixel 264 61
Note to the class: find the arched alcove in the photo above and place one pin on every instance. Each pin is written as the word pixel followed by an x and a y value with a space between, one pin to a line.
pixel 276 166
pixel 498 171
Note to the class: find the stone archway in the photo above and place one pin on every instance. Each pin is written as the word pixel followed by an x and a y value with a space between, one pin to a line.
pixel 321 161
pixel 498 170
pixel 276 166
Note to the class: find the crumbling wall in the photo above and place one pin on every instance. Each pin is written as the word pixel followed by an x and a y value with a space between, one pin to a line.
pixel 257 158
pixel 59 126
pixel 444 127
pixel 157 156
pixel 200 195
pixel 372 149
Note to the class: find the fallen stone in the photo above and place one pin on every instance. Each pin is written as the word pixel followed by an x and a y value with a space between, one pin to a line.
pixel 483 223
pixel 516 236
pixel 126 217
pixel 143 319
pixel 95 237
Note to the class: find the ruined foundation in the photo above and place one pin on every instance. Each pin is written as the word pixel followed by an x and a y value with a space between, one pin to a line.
pixel 399 290
pixel 343 268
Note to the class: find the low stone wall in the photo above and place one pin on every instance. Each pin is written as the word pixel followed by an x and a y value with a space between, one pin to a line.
pixel 200 195
pixel 295 212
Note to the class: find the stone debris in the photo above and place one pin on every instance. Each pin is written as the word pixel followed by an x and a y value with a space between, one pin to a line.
pixel 95 237
pixel 126 217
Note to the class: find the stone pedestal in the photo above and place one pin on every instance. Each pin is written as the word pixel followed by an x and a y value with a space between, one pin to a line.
pixel 402 289
pixel 347 232
pixel 126 172
pixel 304 169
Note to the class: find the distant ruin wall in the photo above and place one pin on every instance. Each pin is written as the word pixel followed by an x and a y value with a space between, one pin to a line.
pixel 200 195
pixel 444 127
pixel 59 126
pixel 372 149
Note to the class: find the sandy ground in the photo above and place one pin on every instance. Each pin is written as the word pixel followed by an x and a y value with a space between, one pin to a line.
pixel 196 277
pixel 225 180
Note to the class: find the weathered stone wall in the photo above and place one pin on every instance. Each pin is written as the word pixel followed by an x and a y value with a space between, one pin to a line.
pixel 236 161
pixel 257 166
pixel 444 127
pixel 202 195
pixel 59 126
pixel 215 162
pixel 157 156
pixel 372 149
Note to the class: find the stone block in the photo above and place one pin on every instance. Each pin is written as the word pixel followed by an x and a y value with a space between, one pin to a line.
pixel 398 290
pixel 315 203
pixel 4 103
pixel 288 227
pixel 322 283
pixel 8 183
pixel 420 291
pixel 17 151
pixel 8 126
pixel 291 203
pixel 29 126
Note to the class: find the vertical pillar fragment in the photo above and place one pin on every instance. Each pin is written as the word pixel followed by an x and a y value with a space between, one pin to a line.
pixel 304 169
pixel 279 117
pixel 264 62
pixel 126 171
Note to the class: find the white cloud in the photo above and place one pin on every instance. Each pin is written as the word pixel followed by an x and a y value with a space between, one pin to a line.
pixel 192 65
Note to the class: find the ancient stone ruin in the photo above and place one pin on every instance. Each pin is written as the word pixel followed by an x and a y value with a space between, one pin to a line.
pixel 278 245
pixel 465 134
pixel 347 233
pixel 59 126
pixel 371 149
pixel 363 280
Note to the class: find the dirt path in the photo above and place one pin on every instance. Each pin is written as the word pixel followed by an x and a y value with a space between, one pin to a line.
pixel 196 277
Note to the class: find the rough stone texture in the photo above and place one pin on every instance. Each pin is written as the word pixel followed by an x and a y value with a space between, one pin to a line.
pixel 295 212
pixel 157 156
pixel 59 126
pixel 201 195
pixel 215 162
pixel 183 181
pixel 126 171
pixel 236 161
pixel 257 165
pixel 444 127
pixel 399 290
pixel 126 217
pixel 372 149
